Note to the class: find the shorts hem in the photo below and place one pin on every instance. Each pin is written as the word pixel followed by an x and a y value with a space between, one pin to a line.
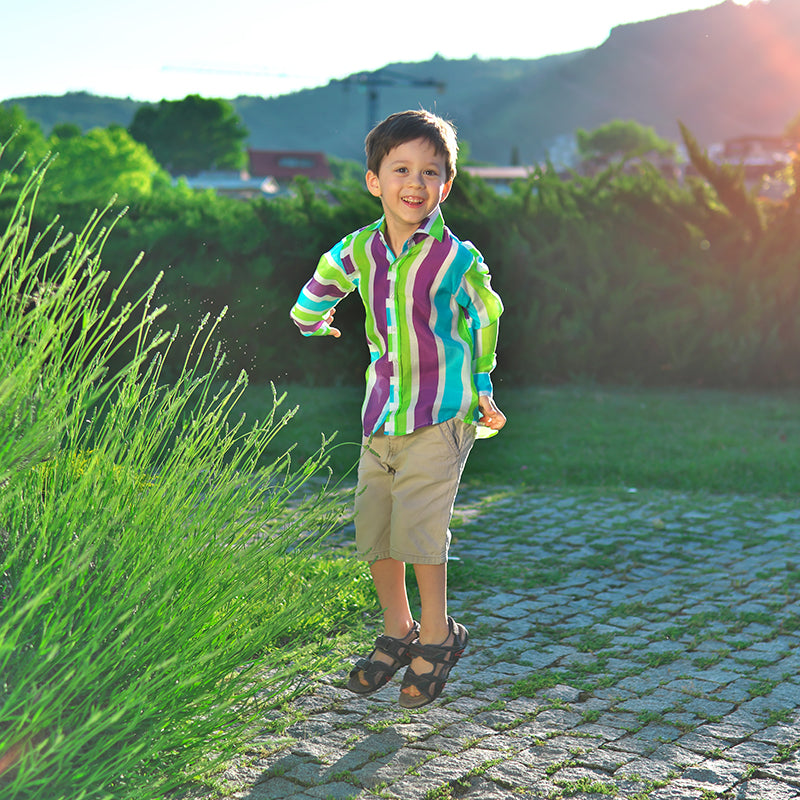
pixel 406 558
pixel 370 557
pixel 427 560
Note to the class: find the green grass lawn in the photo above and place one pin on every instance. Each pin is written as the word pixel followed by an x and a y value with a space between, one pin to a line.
pixel 590 437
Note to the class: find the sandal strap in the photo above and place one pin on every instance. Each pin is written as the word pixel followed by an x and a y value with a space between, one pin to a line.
pixel 443 657
pixel 438 653
pixel 442 653
pixel 396 648
pixel 368 676
pixel 429 683
pixel 373 667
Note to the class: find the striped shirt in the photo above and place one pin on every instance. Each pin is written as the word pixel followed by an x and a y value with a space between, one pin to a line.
pixel 431 322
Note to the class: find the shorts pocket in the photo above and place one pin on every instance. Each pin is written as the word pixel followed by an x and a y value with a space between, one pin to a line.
pixel 459 436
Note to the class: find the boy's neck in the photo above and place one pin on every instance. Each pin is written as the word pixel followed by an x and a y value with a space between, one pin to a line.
pixel 397 236
pixel 396 242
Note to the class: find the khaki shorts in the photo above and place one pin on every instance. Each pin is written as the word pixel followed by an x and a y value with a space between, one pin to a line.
pixel 406 489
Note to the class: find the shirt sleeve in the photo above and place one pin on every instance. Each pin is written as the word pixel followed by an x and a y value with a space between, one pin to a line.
pixel 483 307
pixel 329 284
pixel 484 357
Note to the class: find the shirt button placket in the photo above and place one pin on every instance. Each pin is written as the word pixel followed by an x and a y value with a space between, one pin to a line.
pixel 391 319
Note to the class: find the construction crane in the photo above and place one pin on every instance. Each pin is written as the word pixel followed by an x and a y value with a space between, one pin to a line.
pixel 371 81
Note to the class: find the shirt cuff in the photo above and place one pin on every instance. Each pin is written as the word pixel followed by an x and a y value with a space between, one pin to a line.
pixel 322 330
pixel 483 383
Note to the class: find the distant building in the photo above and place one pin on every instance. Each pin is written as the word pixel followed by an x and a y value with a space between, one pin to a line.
pixel 759 155
pixel 232 184
pixel 269 173
pixel 285 165
pixel 763 159
pixel 499 178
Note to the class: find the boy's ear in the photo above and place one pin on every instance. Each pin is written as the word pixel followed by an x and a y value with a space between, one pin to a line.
pixel 373 183
pixel 446 190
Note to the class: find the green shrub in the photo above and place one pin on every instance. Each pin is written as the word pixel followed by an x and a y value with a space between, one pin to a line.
pixel 158 589
pixel 626 276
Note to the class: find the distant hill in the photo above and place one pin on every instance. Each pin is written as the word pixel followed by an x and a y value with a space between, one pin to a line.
pixel 725 71
pixel 337 113
pixel 80 108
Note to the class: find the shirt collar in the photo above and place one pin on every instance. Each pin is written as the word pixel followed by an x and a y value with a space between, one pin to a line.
pixel 431 226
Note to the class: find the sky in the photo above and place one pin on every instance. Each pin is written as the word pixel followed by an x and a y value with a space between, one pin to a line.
pixel 150 50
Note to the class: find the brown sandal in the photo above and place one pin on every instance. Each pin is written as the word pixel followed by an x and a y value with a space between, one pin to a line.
pixel 443 657
pixel 378 673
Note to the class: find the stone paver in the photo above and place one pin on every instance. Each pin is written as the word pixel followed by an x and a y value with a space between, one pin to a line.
pixel 638 646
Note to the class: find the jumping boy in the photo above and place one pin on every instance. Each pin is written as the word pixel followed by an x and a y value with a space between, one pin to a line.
pixel 431 326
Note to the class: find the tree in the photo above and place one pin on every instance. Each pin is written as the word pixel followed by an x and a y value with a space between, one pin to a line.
pixel 100 164
pixel 66 130
pixel 27 137
pixel 193 134
pixel 626 138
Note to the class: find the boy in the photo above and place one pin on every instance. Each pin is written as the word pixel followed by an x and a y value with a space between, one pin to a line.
pixel 431 325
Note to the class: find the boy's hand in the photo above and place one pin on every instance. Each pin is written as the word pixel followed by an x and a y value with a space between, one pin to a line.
pixel 335 332
pixel 491 416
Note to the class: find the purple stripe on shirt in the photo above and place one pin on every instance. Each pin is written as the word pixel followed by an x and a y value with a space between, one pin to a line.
pixel 322 290
pixel 303 328
pixel 377 294
pixel 348 265
pixel 379 286
pixel 427 353
pixel 379 395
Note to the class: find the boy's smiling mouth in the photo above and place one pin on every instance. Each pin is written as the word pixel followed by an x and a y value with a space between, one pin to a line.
pixel 413 201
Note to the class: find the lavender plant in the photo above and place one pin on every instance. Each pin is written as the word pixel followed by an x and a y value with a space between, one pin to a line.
pixel 159 589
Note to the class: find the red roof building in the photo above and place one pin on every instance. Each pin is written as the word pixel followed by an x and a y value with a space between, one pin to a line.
pixel 283 165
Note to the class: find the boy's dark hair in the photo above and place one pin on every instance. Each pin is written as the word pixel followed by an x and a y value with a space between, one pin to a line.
pixel 405 126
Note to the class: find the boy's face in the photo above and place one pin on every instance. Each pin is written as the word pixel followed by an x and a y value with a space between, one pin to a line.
pixel 411 182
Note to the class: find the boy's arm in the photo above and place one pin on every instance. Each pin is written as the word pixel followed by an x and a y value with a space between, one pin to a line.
pixel 483 362
pixel 313 312
pixel 483 308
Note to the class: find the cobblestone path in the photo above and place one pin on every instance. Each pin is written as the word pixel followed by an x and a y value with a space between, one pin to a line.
pixel 636 646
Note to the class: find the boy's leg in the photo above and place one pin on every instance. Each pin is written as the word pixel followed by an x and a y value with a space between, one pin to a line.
pixel 383 482
pixel 373 509
pixel 432 583
pixel 426 494
pixel 389 578
pixel 433 628
pixel 373 515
